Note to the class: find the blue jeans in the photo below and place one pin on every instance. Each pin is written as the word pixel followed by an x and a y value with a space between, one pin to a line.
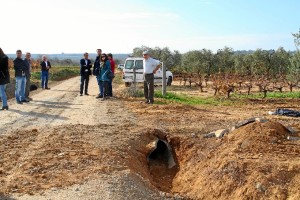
pixel 20 88
pixel 45 75
pixel 3 95
pixel 104 88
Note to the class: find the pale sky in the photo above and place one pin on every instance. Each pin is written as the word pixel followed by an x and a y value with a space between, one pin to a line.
pixel 77 26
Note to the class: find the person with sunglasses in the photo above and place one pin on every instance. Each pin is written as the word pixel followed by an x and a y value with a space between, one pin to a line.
pixel 104 80
pixel 150 66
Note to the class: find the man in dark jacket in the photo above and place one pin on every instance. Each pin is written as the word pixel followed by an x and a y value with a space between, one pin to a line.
pixel 85 72
pixel 45 66
pixel 96 71
pixel 4 78
pixel 28 75
pixel 20 70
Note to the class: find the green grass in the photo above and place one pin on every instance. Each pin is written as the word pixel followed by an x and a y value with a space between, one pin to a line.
pixel 57 73
pixel 64 73
pixel 235 99
pixel 118 78
pixel 276 95
pixel 188 100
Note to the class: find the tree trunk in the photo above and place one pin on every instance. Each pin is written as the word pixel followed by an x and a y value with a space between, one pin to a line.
pixel 291 87
pixel 265 93
pixel 216 91
pixel 190 82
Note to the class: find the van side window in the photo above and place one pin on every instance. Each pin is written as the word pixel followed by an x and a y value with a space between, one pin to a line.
pixel 139 64
pixel 129 64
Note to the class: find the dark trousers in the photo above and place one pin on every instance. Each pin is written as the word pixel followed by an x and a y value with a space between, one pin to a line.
pixel 110 88
pixel 84 82
pixel 149 87
pixel 27 88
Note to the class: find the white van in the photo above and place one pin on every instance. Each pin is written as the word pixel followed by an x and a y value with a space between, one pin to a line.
pixel 137 63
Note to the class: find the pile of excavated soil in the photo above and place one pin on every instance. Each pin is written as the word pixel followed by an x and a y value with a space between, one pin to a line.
pixel 255 161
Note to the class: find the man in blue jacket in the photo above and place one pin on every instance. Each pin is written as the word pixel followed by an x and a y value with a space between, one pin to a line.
pixel 85 72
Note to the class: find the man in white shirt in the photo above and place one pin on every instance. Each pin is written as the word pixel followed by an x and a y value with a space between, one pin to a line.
pixel 150 66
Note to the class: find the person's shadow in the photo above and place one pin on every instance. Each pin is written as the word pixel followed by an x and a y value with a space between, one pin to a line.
pixel 3 197
pixel 38 115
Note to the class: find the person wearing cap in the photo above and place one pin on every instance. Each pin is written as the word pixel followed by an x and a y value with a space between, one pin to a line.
pixel 150 66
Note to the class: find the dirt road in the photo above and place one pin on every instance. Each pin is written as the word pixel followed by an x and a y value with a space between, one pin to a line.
pixel 60 139
pixel 65 146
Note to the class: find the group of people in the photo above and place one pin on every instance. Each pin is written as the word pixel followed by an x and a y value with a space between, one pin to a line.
pixel 104 69
pixel 22 69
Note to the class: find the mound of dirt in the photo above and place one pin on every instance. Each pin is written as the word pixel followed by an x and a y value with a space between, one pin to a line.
pixel 253 162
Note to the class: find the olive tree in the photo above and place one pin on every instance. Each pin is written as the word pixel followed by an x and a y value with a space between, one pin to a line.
pixel 293 74
pixel 170 59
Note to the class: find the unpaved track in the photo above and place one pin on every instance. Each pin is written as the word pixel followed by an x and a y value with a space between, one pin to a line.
pixel 60 105
pixel 63 107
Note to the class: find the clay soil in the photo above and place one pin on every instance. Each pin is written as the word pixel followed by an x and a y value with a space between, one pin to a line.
pixel 65 146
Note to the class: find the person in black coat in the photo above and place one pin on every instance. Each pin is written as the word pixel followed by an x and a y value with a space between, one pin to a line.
pixel 85 72
pixel 4 78
pixel 96 71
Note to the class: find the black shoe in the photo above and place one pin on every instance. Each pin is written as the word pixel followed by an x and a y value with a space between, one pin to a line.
pixel 4 108
pixel 25 101
pixel 80 94
pixel 86 94
pixel 47 88
pixel 146 101
pixel 19 102
pixel 99 96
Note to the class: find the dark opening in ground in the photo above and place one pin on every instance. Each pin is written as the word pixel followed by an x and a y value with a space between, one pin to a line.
pixel 162 166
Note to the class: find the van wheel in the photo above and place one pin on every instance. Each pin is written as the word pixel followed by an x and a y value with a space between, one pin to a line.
pixel 169 82
pixel 127 84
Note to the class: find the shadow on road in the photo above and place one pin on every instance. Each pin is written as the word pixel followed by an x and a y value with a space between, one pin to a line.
pixel 39 115
pixel 2 197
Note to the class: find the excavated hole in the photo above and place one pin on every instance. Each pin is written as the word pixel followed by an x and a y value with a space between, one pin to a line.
pixel 162 165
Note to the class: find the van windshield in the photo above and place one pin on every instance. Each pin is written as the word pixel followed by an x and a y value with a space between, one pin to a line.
pixel 130 63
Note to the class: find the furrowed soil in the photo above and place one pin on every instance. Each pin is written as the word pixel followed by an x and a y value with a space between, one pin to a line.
pixel 65 146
